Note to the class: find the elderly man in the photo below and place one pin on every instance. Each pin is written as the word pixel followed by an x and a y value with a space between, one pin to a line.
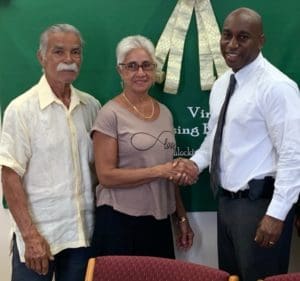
pixel 47 165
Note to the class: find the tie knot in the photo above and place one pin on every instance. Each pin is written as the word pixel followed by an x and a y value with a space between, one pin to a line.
pixel 231 85
pixel 232 81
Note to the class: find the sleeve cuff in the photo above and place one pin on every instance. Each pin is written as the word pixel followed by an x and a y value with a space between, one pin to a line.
pixel 278 210
pixel 200 162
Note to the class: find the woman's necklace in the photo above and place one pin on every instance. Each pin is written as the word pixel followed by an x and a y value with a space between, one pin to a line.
pixel 137 111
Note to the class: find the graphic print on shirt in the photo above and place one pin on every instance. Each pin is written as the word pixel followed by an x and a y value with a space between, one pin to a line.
pixel 143 141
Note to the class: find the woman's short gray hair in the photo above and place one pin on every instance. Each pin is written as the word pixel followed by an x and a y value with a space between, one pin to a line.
pixel 132 42
pixel 61 27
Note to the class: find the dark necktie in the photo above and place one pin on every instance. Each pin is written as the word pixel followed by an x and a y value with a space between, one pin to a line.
pixel 214 167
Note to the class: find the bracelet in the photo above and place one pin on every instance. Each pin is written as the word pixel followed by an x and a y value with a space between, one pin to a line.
pixel 182 219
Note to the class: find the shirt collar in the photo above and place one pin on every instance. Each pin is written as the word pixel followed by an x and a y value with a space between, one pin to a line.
pixel 47 97
pixel 244 73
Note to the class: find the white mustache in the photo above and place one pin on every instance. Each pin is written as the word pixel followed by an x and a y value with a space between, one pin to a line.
pixel 67 67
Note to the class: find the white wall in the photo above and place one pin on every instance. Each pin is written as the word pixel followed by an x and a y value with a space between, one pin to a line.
pixel 5 267
pixel 204 250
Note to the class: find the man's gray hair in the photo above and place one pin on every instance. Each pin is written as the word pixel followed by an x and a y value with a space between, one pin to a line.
pixel 132 42
pixel 62 27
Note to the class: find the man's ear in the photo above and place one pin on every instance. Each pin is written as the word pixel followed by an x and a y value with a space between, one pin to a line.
pixel 40 58
pixel 262 41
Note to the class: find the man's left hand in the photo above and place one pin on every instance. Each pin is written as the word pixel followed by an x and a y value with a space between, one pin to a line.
pixel 268 231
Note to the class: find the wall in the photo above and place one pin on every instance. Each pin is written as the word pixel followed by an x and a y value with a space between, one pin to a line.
pixel 5 267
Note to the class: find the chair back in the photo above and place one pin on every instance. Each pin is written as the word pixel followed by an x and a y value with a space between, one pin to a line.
pixel 284 277
pixel 141 268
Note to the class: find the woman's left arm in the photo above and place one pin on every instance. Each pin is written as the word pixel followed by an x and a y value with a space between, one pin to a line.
pixel 184 232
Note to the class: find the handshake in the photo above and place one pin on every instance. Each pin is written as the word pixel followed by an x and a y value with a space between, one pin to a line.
pixel 183 171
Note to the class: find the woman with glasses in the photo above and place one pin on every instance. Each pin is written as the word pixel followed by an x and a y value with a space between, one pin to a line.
pixel 133 144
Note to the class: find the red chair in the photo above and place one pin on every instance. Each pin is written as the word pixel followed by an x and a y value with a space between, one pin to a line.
pixel 140 268
pixel 284 277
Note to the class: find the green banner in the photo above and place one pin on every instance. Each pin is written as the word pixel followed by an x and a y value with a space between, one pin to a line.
pixel 104 23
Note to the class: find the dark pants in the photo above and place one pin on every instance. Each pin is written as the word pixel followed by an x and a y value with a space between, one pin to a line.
pixel 238 253
pixel 120 234
pixel 68 265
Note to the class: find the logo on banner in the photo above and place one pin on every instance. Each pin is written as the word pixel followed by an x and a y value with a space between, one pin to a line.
pixel 171 45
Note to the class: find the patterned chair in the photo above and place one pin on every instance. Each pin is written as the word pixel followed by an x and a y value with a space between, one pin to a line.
pixel 138 268
pixel 284 277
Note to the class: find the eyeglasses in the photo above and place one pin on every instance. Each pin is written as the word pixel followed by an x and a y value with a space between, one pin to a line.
pixel 134 66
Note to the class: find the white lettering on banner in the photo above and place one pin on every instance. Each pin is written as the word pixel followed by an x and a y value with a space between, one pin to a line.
pixel 205 128
pixel 188 152
pixel 194 132
pixel 197 111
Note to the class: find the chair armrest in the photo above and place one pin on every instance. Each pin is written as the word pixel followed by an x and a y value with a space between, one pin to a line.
pixel 90 270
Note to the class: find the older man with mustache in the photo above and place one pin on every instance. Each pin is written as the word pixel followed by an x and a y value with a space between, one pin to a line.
pixel 46 157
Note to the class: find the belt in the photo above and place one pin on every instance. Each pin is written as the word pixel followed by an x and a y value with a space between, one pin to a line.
pixel 258 188
pixel 234 195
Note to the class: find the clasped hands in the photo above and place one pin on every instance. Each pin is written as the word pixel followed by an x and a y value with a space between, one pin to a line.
pixel 185 172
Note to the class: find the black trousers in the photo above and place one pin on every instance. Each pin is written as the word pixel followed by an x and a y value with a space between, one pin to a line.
pixel 116 233
pixel 238 254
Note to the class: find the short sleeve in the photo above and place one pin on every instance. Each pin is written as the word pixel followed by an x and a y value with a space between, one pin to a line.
pixel 15 149
pixel 106 121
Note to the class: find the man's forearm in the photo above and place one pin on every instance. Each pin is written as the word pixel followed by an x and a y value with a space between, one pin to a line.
pixel 17 201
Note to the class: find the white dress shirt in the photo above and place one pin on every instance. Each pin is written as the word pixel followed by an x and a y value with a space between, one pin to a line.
pixel 261 136
pixel 49 147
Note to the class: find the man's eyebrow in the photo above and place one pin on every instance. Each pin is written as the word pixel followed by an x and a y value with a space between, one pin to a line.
pixel 62 47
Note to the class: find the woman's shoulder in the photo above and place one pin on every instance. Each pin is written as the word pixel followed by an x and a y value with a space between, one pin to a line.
pixel 106 120
pixel 163 108
pixel 110 106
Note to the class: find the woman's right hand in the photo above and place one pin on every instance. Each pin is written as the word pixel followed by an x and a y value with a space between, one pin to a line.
pixel 187 172
pixel 167 170
pixel 180 171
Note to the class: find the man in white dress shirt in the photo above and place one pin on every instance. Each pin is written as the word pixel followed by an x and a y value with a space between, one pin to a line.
pixel 259 161
pixel 47 157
